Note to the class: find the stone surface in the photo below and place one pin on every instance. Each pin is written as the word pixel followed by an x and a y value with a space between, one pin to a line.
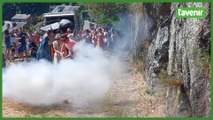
pixel 176 46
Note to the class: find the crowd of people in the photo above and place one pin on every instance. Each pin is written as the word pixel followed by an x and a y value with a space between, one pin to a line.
pixel 54 45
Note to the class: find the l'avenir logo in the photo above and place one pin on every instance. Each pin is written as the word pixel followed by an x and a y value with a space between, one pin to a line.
pixel 191 12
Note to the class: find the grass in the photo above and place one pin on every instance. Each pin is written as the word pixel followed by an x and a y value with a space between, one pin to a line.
pixel 172 84
pixel 171 81
pixel 202 61
pixel 137 66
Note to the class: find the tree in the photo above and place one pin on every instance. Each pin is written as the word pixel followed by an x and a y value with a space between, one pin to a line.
pixel 105 13
pixel 36 9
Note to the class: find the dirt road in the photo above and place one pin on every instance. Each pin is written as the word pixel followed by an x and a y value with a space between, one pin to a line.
pixel 129 96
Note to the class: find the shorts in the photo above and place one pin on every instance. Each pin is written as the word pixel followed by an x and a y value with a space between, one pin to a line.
pixel 25 48
pixel 21 49
pixel 7 43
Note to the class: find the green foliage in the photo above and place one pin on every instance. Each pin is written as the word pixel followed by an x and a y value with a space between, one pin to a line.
pixel 169 81
pixel 203 62
pixel 105 13
pixel 38 18
pixel 79 16
pixel 174 84
pixel 203 58
pixel 101 13
pixel 150 91
pixel 32 28
pixel 140 55
pixel 18 12
pixel 10 9
pixel 165 79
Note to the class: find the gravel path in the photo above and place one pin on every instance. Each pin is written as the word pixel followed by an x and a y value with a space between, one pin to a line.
pixel 128 97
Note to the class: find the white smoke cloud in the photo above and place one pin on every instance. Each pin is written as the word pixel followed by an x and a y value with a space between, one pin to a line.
pixel 86 77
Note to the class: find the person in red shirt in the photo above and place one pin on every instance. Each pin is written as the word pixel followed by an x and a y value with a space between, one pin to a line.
pixel 68 44
pixel 101 39
pixel 36 38
pixel 95 37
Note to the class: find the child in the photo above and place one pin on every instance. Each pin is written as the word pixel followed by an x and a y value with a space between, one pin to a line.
pixel 56 48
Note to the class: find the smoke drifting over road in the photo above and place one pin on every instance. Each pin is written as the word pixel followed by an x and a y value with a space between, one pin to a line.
pixel 86 77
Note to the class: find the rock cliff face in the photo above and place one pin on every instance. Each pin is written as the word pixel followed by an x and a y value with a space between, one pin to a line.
pixel 178 46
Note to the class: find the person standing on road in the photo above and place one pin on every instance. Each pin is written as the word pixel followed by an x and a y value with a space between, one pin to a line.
pixel 36 38
pixel 44 50
pixel 68 44
pixel 22 48
pixel 7 42
pixel 57 47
